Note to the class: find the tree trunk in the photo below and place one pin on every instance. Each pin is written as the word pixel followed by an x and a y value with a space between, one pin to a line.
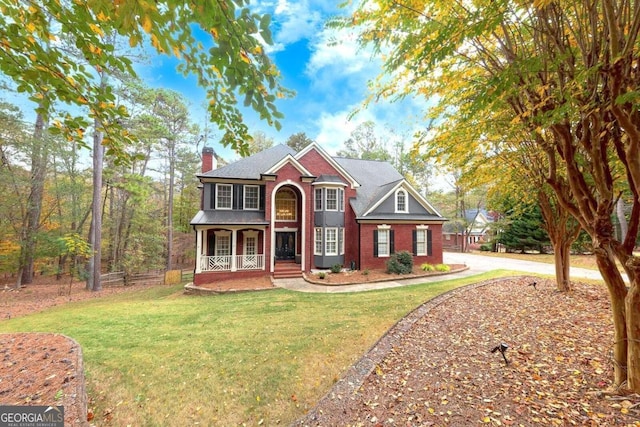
pixel 633 327
pixel 561 255
pixel 172 168
pixel 622 219
pixel 34 203
pixel 95 231
pixel 617 293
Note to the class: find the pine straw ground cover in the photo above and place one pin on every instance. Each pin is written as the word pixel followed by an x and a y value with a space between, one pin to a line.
pixel 440 371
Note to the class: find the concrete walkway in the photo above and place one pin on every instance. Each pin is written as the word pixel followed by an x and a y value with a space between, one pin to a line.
pixel 477 264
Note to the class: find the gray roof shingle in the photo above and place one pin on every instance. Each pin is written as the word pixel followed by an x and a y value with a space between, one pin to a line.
pixel 251 167
pixel 376 178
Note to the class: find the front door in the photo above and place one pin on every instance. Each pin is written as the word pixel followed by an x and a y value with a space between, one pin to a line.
pixel 285 245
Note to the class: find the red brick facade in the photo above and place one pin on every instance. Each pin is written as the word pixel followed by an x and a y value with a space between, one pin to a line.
pixel 299 174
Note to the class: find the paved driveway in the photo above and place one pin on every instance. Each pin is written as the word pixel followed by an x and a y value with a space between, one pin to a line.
pixel 477 264
pixel 481 264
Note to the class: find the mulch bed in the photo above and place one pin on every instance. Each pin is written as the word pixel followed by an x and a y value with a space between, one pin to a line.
pixel 436 368
pixel 43 369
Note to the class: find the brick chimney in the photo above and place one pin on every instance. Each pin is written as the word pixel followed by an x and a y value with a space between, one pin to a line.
pixel 209 161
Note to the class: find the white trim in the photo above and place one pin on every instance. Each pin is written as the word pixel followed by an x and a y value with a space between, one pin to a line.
pixel 315 199
pixel 334 241
pixel 412 191
pixel 326 200
pixel 424 233
pixel 244 197
pixel 217 196
pixel 314 146
pixel 316 241
pixel 303 223
pixel 288 159
pixel 386 231
pixel 406 200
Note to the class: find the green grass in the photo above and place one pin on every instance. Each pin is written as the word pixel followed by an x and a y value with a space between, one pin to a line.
pixel 158 357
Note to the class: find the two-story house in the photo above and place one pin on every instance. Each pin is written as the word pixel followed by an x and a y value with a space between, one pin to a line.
pixel 308 209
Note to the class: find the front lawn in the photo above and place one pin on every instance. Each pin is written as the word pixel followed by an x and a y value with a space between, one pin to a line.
pixel 158 357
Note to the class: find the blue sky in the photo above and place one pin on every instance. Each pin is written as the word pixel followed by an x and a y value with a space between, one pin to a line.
pixel 330 80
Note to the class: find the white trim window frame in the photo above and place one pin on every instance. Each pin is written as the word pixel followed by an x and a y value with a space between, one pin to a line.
pixel 402 205
pixel 251 202
pixel 331 241
pixel 342 241
pixel 250 243
pixel 421 241
pixel 331 202
pixel 317 200
pixel 383 242
pixel 223 243
pixel 224 196
pixel 318 244
pixel 341 199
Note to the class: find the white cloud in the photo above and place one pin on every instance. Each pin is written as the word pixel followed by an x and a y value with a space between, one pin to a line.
pixel 337 50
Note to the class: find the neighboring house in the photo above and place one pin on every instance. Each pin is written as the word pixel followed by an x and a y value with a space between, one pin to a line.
pixel 307 210
pixel 458 235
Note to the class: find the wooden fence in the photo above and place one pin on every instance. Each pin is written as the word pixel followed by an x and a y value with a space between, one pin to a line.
pixel 151 277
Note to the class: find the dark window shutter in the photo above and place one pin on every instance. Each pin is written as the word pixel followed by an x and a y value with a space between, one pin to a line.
pixel 392 249
pixel 237 197
pixel 375 243
pixel 213 196
pixel 211 244
pixel 414 234
pixel 262 194
pixel 429 242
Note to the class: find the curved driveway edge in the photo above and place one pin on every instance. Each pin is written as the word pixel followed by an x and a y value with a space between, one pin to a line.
pixel 355 376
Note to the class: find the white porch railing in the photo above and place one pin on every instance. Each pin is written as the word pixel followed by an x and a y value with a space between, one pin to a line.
pixel 223 262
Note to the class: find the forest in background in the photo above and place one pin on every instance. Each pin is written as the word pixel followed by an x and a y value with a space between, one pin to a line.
pixel 136 199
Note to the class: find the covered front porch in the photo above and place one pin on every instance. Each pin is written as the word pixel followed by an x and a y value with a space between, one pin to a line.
pixel 230 249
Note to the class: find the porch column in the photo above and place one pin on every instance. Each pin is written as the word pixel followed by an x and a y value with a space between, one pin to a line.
pixel 199 251
pixel 234 245
pixel 264 249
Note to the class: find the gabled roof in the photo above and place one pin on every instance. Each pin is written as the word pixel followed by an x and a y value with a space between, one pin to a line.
pixel 253 166
pixel 290 160
pixel 375 178
pixel 348 176
pixel 390 192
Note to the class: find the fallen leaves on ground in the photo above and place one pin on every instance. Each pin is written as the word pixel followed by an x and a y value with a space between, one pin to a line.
pixel 442 371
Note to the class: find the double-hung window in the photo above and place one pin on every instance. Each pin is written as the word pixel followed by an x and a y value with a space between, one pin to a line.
pixel 318 199
pixel 317 250
pixel 224 196
pixel 331 241
pixel 421 242
pixel 383 242
pixel 332 199
pixel 251 197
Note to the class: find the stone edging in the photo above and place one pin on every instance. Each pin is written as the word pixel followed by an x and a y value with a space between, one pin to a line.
pixel 398 278
pixel 81 388
pixel 355 376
